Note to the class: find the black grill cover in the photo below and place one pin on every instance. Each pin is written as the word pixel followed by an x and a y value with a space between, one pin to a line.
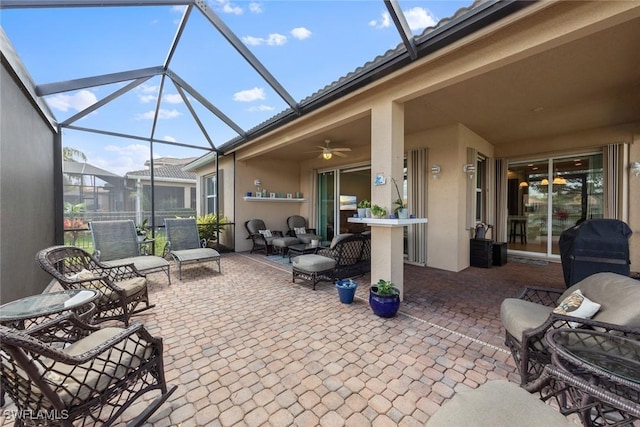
pixel 594 246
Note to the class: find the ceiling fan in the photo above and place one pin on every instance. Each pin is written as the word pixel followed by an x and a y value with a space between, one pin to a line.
pixel 327 152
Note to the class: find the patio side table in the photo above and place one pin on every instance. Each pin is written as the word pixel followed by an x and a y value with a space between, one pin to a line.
pixel 606 373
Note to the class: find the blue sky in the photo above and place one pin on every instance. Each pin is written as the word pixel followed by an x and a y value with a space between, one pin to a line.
pixel 304 44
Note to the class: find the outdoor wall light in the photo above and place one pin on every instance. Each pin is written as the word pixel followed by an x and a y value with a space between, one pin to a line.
pixel 469 169
pixel 635 169
pixel 257 182
pixel 435 171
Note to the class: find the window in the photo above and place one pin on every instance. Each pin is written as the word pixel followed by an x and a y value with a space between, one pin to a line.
pixel 211 195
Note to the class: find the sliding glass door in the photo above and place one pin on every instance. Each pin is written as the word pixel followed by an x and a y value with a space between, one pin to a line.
pixel 339 192
pixel 547 196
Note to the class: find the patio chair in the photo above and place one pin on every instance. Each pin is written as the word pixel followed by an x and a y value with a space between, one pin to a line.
pixel 298 229
pixel 529 317
pixel 94 378
pixel 184 244
pixel 116 243
pixel 261 237
pixel 122 288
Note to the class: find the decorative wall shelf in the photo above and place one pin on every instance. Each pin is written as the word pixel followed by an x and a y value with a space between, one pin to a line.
pixel 386 222
pixel 273 199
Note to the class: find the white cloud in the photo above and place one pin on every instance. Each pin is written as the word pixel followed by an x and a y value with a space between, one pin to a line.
pixel 260 108
pixel 169 138
pixel 420 18
pixel 273 40
pixel 383 22
pixel 249 95
pixel 301 33
pixel 178 8
pixel 147 93
pixel 123 159
pixel 172 98
pixel 162 114
pixel 77 102
pixel 255 7
pixel 227 7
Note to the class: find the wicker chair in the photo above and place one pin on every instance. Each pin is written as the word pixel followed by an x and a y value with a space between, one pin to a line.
pixel 529 317
pixel 298 222
pixel 94 379
pixel 261 242
pixel 116 243
pixel 122 288
pixel 184 244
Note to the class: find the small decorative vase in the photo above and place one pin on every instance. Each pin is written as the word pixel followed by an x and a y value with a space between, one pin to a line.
pixel 403 213
pixel 362 213
pixel 383 305
pixel 368 212
pixel 346 290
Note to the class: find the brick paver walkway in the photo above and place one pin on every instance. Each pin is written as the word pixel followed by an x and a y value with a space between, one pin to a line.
pixel 248 347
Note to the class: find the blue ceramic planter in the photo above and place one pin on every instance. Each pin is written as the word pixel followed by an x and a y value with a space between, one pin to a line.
pixel 383 305
pixel 346 290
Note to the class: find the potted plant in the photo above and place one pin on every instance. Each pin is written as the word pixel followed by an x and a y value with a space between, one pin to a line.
pixel 142 230
pixel 346 290
pixel 364 209
pixel 384 298
pixel 378 211
pixel 400 210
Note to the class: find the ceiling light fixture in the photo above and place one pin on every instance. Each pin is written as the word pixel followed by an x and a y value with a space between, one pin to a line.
pixel 327 155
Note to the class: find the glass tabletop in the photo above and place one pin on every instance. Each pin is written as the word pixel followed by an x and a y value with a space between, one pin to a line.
pixel 45 304
pixel 616 355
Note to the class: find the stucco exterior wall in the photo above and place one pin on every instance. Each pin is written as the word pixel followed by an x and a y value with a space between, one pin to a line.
pixel 26 192
pixel 276 176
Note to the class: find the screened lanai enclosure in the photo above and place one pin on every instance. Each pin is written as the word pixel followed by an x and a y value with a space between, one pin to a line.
pixel 130 125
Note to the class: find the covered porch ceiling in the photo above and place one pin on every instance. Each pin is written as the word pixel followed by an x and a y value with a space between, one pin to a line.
pixel 587 83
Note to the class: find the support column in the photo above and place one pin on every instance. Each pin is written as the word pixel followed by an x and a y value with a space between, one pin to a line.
pixel 387 159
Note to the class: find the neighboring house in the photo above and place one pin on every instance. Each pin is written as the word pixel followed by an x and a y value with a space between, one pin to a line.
pixel 175 189
pixel 97 189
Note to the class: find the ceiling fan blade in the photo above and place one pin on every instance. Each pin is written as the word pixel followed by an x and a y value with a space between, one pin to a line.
pixel 341 149
pixel 339 154
pixel 322 148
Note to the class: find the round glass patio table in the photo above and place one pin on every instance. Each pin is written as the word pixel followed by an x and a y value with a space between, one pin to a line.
pixel 32 310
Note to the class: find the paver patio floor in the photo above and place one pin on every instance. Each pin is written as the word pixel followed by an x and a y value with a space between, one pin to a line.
pixel 248 347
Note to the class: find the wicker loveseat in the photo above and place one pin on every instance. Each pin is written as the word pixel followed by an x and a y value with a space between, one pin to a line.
pixel 54 379
pixel 528 318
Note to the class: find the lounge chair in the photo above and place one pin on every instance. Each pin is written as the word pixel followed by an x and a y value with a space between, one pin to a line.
pixel 184 244
pixel 122 288
pixel 116 243
pixel 93 378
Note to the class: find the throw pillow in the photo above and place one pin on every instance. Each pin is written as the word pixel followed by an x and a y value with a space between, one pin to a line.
pixel 300 230
pixel 577 305
pixel 82 275
pixel 266 233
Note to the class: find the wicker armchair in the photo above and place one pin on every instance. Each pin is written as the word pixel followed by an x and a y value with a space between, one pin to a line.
pixel 529 317
pixel 122 288
pixel 94 379
pixel 296 223
pixel 261 242
pixel 184 244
